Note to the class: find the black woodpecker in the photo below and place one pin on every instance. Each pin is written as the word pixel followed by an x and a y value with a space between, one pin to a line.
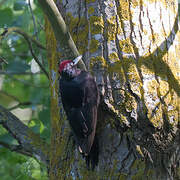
pixel 80 99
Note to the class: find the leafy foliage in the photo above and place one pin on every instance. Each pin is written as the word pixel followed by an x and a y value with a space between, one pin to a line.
pixel 15 166
pixel 22 90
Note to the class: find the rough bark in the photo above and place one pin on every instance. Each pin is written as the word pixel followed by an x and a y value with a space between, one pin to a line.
pixel 132 49
pixel 66 45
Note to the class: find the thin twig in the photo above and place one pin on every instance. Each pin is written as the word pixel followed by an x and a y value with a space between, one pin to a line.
pixel 41 25
pixel 9 95
pixel 24 34
pixel 15 99
pixel 19 73
pixel 33 18
pixel 26 83
pixel 3 60
pixel 20 104
pixel 4 32
pixel 29 39
pixel 36 59
pixel 29 143
pixel 15 148
pixel 62 34
pixel 35 28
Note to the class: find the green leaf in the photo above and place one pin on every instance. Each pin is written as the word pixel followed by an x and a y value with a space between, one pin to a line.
pixel 24 87
pixel 37 95
pixel 17 66
pixel 44 116
pixel 36 125
pixel 6 17
pixel 17 89
pixel 7 138
pixel 19 5
pixel 24 20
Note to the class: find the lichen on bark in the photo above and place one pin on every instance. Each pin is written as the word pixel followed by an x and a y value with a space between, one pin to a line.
pixel 134 61
pixel 131 47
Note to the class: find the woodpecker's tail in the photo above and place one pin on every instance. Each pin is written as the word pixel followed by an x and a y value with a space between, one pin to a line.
pixel 93 157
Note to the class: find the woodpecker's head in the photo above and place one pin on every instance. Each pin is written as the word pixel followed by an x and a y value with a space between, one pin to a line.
pixel 68 67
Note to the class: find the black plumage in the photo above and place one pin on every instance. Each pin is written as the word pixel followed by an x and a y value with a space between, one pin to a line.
pixel 80 100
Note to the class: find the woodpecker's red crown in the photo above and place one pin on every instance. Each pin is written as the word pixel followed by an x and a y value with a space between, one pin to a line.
pixel 63 64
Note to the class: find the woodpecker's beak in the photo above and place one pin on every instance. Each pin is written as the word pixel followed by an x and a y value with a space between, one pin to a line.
pixel 76 60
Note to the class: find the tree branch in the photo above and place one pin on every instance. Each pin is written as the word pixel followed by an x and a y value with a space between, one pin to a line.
pixel 20 104
pixel 15 148
pixel 9 95
pixel 36 59
pixel 25 82
pixel 63 37
pixel 3 60
pixel 29 39
pixel 33 18
pixel 24 34
pixel 29 142
pixel 18 73
pixel 69 49
pixel 35 27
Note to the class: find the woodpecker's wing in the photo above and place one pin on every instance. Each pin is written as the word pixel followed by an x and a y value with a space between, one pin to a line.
pixel 80 100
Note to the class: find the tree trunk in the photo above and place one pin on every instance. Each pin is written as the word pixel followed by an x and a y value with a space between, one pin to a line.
pixel 132 48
